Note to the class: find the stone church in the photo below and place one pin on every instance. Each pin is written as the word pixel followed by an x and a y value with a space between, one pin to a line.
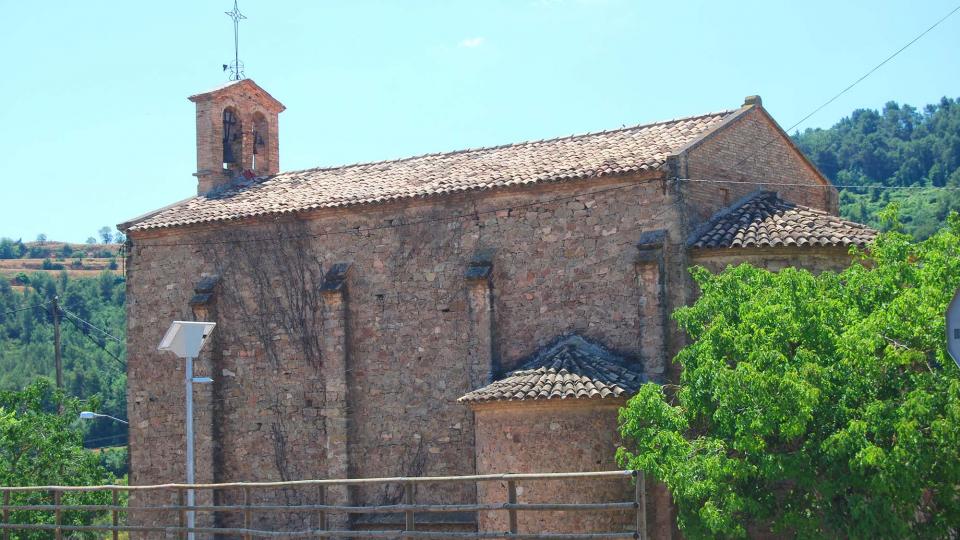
pixel 484 310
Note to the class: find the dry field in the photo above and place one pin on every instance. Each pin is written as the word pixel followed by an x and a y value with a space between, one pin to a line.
pixel 89 266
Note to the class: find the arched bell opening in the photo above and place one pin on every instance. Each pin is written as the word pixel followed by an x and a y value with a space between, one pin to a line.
pixel 232 139
pixel 261 148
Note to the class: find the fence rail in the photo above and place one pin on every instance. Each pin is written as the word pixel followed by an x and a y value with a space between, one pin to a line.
pixel 409 508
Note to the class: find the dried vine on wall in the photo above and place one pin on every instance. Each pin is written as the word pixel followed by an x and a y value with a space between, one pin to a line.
pixel 273 287
pixel 270 291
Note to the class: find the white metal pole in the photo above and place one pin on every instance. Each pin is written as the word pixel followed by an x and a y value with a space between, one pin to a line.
pixel 189 389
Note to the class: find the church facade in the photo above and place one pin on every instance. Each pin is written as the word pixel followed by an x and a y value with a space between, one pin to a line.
pixel 486 310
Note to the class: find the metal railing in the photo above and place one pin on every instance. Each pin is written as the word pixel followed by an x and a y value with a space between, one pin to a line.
pixel 408 508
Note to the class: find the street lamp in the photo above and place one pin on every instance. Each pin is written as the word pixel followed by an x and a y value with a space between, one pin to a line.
pixel 90 415
pixel 185 339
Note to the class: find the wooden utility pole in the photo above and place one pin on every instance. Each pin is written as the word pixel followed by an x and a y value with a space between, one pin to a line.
pixel 56 340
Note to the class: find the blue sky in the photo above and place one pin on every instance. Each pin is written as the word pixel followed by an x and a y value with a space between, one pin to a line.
pixel 97 127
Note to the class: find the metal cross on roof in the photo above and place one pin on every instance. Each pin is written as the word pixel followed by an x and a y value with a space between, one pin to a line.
pixel 236 68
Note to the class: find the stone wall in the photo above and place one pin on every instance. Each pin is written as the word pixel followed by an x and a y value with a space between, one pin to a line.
pixel 564 260
pixel 751 149
pixel 815 259
pixel 574 435
pixel 435 296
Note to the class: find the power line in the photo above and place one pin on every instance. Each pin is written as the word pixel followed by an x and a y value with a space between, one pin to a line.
pixel 97 343
pixel 11 312
pixel 228 400
pixel 854 83
pixel 831 185
pixel 91 326
pixel 106 438
pixel 357 230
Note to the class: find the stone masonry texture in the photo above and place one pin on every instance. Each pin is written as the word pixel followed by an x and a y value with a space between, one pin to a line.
pixel 434 297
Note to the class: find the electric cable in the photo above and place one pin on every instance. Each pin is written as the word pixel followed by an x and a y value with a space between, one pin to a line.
pixel 851 85
pixel 831 185
pixel 90 325
pixel 97 343
pixel 454 217
pixel 107 438
pixel 11 312
pixel 358 230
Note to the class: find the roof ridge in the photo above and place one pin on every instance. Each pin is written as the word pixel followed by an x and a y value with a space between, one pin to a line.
pixel 501 146
pixel 753 216
pixel 570 366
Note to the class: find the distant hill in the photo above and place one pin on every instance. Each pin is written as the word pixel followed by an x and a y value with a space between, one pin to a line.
pixel 88 278
pixel 19 259
pixel 917 152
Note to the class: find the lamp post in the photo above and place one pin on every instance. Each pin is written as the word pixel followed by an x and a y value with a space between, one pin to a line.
pixel 89 415
pixel 185 339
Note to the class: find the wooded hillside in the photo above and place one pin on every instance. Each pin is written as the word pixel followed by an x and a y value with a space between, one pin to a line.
pixel 914 152
pixel 93 361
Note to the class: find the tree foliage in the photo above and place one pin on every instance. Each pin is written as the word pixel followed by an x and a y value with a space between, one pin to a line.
pixel 813 405
pixel 898 147
pixel 40 447
pixel 90 369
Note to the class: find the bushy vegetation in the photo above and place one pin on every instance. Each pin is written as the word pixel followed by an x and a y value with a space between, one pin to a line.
pixel 44 249
pixel 899 147
pixel 90 371
pixel 813 406
pixel 41 445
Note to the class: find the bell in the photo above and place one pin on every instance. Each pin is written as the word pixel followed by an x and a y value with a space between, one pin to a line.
pixel 228 156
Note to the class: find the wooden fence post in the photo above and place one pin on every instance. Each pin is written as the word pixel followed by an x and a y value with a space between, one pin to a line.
pixel 57 515
pixel 115 517
pixel 182 513
pixel 247 513
pixel 408 500
pixel 640 498
pixel 322 514
pixel 6 514
pixel 512 499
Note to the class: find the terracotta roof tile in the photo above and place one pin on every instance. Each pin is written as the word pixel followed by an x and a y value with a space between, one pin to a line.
pixel 571 367
pixel 622 151
pixel 766 220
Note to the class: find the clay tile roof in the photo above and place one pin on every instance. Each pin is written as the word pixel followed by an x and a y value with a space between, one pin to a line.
pixel 621 151
pixel 766 220
pixel 571 367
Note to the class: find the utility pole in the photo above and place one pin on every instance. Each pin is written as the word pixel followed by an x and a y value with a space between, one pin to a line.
pixel 56 341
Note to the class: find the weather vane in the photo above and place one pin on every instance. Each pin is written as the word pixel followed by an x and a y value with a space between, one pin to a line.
pixel 236 68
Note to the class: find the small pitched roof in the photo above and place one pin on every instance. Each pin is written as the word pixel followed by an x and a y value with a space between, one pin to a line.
pixel 764 219
pixel 241 85
pixel 570 368
pixel 622 151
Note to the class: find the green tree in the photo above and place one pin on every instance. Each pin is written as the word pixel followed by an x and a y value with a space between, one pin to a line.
pixel 813 405
pixel 896 147
pixel 93 363
pixel 106 234
pixel 40 447
pixel 10 249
